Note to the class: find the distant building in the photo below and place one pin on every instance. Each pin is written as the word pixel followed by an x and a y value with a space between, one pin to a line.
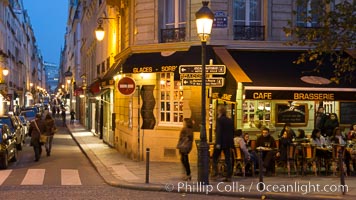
pixel 51 77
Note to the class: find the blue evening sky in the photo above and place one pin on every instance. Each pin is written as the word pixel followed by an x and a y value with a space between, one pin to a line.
pixel 48 19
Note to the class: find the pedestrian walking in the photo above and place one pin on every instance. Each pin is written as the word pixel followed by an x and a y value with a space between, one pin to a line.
pixel 185 146
pixel 63 115
pixel 72 116
pixel 50 129
pixel 36 128
pixel 224 141
pixel 53 110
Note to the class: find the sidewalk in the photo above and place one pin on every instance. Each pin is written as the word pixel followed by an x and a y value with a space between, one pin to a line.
pixel 119 171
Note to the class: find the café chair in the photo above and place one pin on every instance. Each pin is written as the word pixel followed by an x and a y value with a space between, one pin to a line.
pixel 240 162
pixel 291 159
pixel 337 151
pixel 309 157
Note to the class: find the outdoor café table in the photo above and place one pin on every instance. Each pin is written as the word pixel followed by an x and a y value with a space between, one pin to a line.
pixel 260 151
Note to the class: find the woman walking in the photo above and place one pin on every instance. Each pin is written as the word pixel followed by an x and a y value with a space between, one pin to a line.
pixel 50 128
pixel 185 146
pixel 36 128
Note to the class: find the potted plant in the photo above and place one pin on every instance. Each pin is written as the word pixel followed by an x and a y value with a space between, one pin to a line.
pixel 260 114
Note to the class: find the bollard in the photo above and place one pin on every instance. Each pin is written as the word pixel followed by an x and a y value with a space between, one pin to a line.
pixel 147 165
pixel 341 167
pixel 260 168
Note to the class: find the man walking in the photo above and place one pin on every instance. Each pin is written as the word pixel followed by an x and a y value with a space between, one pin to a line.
pixel 224 141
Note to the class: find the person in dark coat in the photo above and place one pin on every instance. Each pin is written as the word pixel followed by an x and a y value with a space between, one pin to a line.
pixel 50 129
pixel 284 142
pixel 72 116
pixel 287 128
pixel 268 157
pixel 320 118
pixel 185 146
pixel 36 128
pixel 224 141
pixel 330 124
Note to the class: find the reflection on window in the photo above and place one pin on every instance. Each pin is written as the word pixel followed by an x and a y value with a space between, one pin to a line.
pixel 171 99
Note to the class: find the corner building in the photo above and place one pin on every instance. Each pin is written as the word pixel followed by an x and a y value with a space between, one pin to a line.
pixel 148 41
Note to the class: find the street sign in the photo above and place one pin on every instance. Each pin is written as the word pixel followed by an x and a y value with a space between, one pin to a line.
pixel 197 69
pixel 212 82
pixel 126 86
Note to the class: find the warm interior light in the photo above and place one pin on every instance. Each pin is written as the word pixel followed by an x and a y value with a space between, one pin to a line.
pixel 99 33
pixel 5 72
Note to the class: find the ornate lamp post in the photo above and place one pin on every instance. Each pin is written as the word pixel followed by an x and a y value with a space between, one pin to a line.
pixel 204 20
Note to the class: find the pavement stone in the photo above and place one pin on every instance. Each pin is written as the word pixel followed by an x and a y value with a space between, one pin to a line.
pixel 119 171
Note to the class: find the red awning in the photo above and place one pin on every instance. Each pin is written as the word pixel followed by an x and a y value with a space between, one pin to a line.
pixel 78 91
pixel 94 88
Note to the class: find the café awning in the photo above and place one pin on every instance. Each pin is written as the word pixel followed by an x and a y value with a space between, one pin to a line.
pixel 274 76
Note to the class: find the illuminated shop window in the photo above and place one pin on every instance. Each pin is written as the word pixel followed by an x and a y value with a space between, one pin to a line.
pixel 256 111
pixel 171 99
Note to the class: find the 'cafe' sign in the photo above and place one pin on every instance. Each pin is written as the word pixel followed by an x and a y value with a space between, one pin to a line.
pixel 298 95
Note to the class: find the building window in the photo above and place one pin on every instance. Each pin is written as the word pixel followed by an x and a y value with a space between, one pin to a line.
pixel 308 13
pixel 248 20
pixel 256 113
pixel 248 12
pixel 171 99
pixel 174 21
pixel 174 13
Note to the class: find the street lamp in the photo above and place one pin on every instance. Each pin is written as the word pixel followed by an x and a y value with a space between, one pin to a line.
pixel 5 71
pixel 204 19
pixel 99 31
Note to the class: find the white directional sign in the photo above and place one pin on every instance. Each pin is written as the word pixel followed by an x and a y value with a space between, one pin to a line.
pixel 212 82
pixel 196 69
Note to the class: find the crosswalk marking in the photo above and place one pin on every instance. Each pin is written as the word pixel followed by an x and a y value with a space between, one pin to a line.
pixel 34 177
pixel 70 177
pixel 4 174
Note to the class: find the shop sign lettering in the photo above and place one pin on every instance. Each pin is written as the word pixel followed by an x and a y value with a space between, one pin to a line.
pixel 314 96
pixel 142 70
pixel 168 68
pixel 262 95
pixel 226 97
pixel 190 76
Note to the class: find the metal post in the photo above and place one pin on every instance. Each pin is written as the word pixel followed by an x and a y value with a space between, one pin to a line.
pixel 341 167
pixel 203 151
pixel 138 123
pixel 260 168
pixel 147 165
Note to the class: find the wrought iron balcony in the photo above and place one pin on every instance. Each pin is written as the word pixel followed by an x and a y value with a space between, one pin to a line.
pixel 173 35
pixel 249 32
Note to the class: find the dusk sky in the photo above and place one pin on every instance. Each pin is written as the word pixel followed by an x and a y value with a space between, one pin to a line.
pixel 48 19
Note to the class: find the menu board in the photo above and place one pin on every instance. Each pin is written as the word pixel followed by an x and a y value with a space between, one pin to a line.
pixel 294 114
pixel 347 112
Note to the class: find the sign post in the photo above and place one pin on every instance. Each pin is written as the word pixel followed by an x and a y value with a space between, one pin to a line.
pixel 197 69
pixel 212 82
pixel 126 86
